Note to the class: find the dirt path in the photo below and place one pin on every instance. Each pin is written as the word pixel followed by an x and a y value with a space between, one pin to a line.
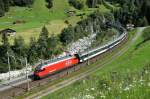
pixel 139 32
pixel 67 82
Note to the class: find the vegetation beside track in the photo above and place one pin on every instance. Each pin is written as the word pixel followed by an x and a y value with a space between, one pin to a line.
pixel 108 56
pixel 126 77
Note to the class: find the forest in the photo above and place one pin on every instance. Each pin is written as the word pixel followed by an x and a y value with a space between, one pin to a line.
pixel 133 11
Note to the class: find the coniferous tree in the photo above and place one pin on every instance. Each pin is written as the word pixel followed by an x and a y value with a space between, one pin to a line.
pixel 53 46
pixel 78 4
pixel 67 35
pixel 93 3
pixel 146 9
pixel 32 51
pixel 5 45
pixel 5 48
pixel 42 43
pixel 49 3
pixel 6 5
pixel 2 8
pixel 19 47
pixel 22 2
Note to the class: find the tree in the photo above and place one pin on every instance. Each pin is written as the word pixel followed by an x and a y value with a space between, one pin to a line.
pixel 5 40
pixel 142 22
pixel 54 46
pixel 22 2
pixel 5 45
pixel 19 47
pixel 145 9
pixel 50 3
pixel 2 8
pixel 67 35
pixel 42 43
pixel 4 49
pixel 93 3
pixel 32 51
pixel 78 4
pixel 6 5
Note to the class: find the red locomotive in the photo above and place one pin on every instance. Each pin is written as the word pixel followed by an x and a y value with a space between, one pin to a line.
pixel 52 66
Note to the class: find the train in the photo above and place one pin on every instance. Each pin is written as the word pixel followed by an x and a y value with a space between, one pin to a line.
pixel 49 67
pixel 52 66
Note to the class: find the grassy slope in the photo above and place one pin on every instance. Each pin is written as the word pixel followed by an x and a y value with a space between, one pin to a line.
pixel 131 62
pixel 38 15
pixel 35 18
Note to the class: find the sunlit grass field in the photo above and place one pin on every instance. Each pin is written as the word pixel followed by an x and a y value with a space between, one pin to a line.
pixel 38 15
pixel 35 18
pixel 128 77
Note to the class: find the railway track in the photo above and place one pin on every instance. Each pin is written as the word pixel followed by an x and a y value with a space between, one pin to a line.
pixel 22 88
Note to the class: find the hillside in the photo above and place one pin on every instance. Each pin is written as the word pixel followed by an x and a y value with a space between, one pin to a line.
pixel 35 17
pixel 125 77
pixel 38 15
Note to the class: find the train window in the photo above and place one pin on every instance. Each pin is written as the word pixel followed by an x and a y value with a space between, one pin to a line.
pixel 39 69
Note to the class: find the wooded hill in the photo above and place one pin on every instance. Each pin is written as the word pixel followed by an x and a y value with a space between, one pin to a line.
pixel 133 11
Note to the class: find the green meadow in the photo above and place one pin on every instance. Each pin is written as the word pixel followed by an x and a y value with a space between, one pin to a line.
pixel 127 77
pixel 37 16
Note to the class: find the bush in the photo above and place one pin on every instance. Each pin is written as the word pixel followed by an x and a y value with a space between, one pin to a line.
pixel 93 3
pixel 3 67
pixel 77 4
pixel 50 3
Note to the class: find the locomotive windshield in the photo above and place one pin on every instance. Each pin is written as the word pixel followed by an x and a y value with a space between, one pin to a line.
pixel 39 67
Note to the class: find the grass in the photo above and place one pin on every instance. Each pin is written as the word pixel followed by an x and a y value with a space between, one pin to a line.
pixel 38 15
pixel 132 60
pixel 129 80
pixel 35 16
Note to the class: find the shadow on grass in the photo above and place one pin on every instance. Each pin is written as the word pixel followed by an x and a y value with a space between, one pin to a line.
pixel 139 45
